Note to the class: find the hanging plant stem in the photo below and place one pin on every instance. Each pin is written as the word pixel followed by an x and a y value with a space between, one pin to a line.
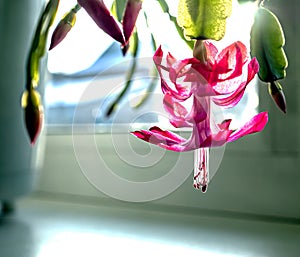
pixel 128 78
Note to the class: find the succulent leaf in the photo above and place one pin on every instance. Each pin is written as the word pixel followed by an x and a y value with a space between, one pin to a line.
pixel 204 19
pixel 267 41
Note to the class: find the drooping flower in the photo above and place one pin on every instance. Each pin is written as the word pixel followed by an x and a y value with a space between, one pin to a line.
pixel 220 78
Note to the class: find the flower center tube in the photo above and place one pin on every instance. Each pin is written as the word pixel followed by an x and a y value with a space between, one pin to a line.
pixel 201 168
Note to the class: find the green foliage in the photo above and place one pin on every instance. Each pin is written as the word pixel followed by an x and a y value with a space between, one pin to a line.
pixel 164 6
pixel 130 72
pixel 245 1
pixel 118 8
pixel 204 19
pixel 267 41
pixel 165 9
pixel 38 46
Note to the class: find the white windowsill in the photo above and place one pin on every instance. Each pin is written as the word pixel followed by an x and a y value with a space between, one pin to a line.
pixel 251 179
pixel 44 227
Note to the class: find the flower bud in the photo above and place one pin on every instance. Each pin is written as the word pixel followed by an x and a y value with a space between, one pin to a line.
pixel 34 115
pixel 63 28
pixel 131 13
pixel 277 94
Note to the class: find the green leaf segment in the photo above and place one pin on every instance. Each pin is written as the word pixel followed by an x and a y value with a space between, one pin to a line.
pixel 266 44
pixel 38 46
pixel 204 19
pixel 267 41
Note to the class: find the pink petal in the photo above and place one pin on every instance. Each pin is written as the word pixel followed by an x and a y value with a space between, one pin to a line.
pixel 211 51
pixel 256 124
pixel 155 135
pixel 219 138
pixel 180 95
pixel 230 63
pixel 234 54
pixel 103 18
pixel 157 57
pixel 200 109
pixel 234 98
pixel 170 59
pixel 225 124
pixel 213 140
pixel 199 71
pixel 253 68
pixel 171 66
pixel 175 89
pixel 163 138
pixel 167 134
pixel 177 112
pixel 180 117
pixel 132 11
pixel 177 69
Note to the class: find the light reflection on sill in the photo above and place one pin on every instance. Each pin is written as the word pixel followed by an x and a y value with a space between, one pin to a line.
pixel 78 244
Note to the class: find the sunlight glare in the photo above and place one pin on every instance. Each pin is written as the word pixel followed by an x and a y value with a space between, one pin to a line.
pixel 78 244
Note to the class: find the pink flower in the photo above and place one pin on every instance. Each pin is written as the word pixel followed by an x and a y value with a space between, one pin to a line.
pixel 221 79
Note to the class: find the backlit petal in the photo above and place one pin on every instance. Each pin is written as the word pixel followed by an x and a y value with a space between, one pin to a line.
pixel 256 124
pixel 234 98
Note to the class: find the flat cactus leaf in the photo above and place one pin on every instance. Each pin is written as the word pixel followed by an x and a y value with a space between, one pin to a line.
pixel 267 41
pixel 204 19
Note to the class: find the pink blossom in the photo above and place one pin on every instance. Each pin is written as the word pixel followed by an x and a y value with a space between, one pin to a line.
pixel 221 79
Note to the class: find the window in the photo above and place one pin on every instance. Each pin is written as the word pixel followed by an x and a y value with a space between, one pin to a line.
pixel 88 56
